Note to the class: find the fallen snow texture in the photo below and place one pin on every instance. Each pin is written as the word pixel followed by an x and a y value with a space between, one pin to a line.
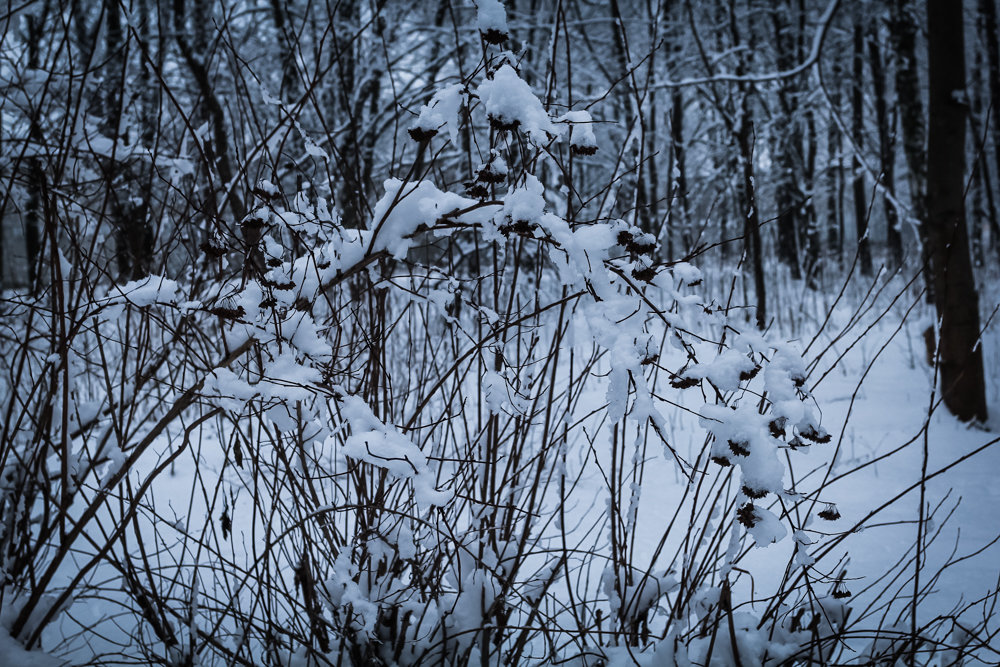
pixel 405 207
pixel 685 273
pixel 525 203
pixel 144 292
pixel 491 15
pixel 494 164
pixel 633 601
pixel 508 100
pixel 284 381
pixel 581 252
pixel 582 134
pixel 382 445
pixel 767 529
pixel 12 652
pixel 442 111
pixel 343 592
pixel 14 655
pixel 724 371
pixel 742 437
pixel 500 396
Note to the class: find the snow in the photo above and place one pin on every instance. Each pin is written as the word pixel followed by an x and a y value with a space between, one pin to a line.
pixel 491 17
pixel 510 104
pixel 726 371
pixel 384 446
pixel 14 655
pixel 406 207
pixel 582 135
pixel 765 528
pixel 144 292
pixel 12 652
pixel 442 111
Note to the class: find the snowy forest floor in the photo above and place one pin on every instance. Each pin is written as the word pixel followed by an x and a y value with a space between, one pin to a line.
pixel 872 382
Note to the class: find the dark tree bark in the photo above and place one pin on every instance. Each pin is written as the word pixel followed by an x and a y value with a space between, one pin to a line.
pixel 286 46
pixel 750 210
pixel 857 129
pixel 963 385
pixel 678 175
pixel 903 36
pixel 215 150
pixel 813 232
pixel 36 173
pixel 984 208
pixel 886 150
pixel 991 39
pixel 126 210
pixel 835 172
pixel 788 195
pixel 357 94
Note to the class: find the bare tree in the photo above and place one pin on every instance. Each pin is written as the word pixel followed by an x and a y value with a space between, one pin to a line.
pixel 963 385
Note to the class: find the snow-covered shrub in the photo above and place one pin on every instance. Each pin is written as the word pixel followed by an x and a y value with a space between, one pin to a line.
pixel 428 435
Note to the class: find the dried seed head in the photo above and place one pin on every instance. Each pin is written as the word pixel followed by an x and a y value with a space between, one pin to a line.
pixel 503 125
pixel 266 191
pixel 212 250
pixel 750 374
pixel 740 447
pixel 228 313
pixel 681 382
pixel 489 176
pixel 494 36
pixel 840 591
pixel 816 435
pixel 646 275
pixel 518 227
pixel 777 427
pixel 747 515
pixel 226 523
pixel 829 513
pixel 276 285
pixel 582 149
pixel 477 190
pixel 253 221
pixel 722 461
pixel 751 492
pixel 636 242
pixel 421 134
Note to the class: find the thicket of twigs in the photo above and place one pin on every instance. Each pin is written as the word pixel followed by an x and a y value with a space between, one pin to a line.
pixel 257 414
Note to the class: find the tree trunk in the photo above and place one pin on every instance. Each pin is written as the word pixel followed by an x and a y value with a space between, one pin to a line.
pixel 984 212
pixel 886 151
pixel 835 172
pixel 788 197
pixel 963 385
pixel 678 175
pixel 36 172
pixel 133 238
pixel 857 129
pixel 752 242
pixel 903 35
pixel 814 237
pixel 988 21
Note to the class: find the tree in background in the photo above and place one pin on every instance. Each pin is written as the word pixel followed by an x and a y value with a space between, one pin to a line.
pixel 963 386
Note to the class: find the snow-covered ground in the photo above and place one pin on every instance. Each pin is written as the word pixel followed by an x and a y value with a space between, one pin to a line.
pixel 873 387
